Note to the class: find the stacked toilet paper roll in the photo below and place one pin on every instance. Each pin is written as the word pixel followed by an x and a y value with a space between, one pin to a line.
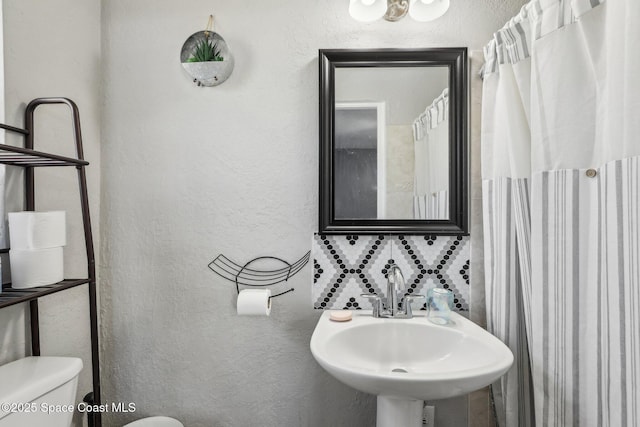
pixel 37 240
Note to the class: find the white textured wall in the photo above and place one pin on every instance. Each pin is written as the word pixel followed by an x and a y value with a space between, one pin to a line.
pixel 52 48
pixel 189 173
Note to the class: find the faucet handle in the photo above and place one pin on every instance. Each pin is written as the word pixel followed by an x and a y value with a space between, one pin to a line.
pixel 408 299
pixel 376 303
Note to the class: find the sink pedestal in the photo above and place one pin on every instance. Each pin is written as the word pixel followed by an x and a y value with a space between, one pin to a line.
pixel 394 412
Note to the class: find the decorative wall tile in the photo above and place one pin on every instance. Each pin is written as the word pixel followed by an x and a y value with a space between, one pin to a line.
pixel 347 266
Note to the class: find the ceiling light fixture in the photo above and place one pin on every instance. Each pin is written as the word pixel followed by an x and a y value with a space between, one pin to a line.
pixel 394 10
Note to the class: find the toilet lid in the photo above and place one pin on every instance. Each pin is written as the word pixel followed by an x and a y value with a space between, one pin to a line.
pixel 155 422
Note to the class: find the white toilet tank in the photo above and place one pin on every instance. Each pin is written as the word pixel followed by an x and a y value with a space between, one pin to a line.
pixel 33 386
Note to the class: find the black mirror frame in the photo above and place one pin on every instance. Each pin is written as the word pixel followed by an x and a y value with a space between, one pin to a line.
pixel 453 58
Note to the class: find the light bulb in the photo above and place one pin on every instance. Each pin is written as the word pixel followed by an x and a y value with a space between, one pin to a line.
pixel 367 10
pixel 428 10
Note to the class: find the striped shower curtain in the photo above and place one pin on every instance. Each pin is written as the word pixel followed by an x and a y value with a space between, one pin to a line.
pixel 4 237
pixel 431 165
pixel 561 199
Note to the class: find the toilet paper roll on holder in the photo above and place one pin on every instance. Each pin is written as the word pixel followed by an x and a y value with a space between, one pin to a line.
pixel 252 277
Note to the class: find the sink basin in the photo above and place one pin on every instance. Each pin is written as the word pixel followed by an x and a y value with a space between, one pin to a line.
pixel 407 361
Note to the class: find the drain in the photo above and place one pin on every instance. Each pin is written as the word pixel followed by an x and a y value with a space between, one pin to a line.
pixel 404 371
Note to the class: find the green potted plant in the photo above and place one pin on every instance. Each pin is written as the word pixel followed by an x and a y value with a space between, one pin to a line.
pixel 206 57
pixel 206 51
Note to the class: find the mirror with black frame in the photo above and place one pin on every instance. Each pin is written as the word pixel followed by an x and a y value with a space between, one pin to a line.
pixel 393 141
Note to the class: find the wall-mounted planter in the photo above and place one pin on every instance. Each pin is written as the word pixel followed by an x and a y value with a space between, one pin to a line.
pixel 207 58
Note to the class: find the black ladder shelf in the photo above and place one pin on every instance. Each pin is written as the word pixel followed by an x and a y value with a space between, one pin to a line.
pixel 28 158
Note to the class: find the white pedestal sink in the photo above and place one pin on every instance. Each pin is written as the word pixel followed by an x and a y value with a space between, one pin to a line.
pixel 407 361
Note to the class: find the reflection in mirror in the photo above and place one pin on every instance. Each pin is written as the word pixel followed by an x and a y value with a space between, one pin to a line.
pixel 431 151
pixel 391 143
pixel 393 151
pixel 359 160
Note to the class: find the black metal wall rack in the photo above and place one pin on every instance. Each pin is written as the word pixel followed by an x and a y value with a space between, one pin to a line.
pixel 28 158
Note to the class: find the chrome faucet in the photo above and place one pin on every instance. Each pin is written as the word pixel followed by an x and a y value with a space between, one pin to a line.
pixel 395 289
pixel 397 304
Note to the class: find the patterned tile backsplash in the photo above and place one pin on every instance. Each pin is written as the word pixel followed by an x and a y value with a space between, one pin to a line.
pixel 347 266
